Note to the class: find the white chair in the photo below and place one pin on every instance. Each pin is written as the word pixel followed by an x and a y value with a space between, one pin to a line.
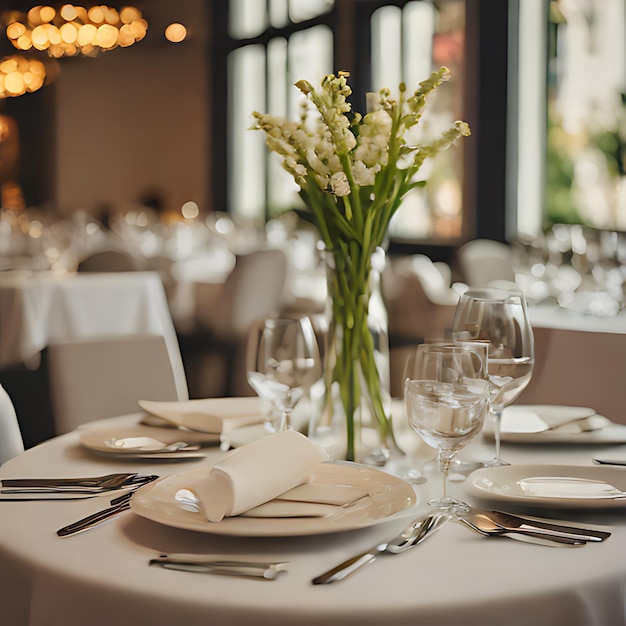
pixel 223 317
pixel 91 379
pixel 483 261
pixel 11 443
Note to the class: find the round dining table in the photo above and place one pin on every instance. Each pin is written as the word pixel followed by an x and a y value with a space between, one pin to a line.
pixel 103 577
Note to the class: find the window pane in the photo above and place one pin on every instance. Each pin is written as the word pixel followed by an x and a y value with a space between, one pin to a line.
pixel 417 41
pixel 301 10
pixel 281 187
pixel 246 94
pixel 279 13
pixel 586 181
pixel 530 132
pixel 407 44
pixel 309 57
pixel 386 48
pixel 248 18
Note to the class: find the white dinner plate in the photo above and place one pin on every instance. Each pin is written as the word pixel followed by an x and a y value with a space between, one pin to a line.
pixel 95 440
pixel 531 424
pixel 554 486
pixel 387 495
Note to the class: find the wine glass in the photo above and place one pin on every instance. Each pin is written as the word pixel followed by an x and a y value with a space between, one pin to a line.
pixel 283 361
pixel 499 316
pixel 446 403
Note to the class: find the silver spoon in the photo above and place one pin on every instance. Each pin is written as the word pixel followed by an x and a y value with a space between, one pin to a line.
pixel 484 526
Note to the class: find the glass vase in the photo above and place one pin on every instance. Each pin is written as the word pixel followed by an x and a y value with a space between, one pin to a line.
pixel 352 419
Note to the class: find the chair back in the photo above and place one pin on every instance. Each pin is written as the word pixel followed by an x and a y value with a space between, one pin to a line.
pixel 11 443
pixel 482 261
pixel 95 378
pixel 578 368
pixel 109 260
pixel 253 290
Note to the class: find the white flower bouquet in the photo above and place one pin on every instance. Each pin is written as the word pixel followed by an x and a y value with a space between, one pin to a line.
pixel 353 171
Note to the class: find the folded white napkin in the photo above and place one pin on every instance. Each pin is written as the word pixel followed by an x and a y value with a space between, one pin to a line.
pixel 209 415
pixel 548 418
pixel 257 473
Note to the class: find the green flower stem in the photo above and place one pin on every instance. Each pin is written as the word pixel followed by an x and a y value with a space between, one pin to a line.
pixel 351 360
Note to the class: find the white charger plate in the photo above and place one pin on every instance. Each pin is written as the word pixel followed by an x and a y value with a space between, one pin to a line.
pixel 531 485
pixel 94 439
pixel 387 496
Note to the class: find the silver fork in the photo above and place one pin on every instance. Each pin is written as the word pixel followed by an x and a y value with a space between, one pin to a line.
pixel 412 535
pixel 486 527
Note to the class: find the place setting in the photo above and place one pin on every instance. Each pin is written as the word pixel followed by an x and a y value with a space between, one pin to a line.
pixel 176 430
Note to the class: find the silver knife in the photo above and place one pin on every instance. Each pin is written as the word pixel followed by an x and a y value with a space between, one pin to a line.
pixel 108 481
pixel 413 534
pixel 232 567
pixel 118 505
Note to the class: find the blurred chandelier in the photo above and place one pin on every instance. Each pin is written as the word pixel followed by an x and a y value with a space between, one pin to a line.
pixel 73 30
pixel 19 75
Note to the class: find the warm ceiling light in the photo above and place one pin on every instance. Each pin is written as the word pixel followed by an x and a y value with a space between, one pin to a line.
pixel 19 75
pixel 74 29
pixel 175 33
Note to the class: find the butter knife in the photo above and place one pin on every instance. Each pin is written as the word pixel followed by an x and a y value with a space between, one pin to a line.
pixel 231 567
pixel 412 535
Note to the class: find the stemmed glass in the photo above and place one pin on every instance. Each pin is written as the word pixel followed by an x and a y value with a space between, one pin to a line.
pixel 283 362
pixel 500 317
pixel 446 403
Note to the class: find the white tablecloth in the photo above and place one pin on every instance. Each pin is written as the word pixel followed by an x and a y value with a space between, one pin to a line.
pixel 456 577
pixel 38 308
pixel 553 316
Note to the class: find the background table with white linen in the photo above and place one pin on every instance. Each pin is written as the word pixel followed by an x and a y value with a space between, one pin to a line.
pixel 41 308
pixel 456 577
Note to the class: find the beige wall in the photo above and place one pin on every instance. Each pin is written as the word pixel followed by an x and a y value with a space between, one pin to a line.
pixel 135 120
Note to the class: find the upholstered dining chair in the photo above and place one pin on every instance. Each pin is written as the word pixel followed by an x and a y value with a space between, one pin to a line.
pixel 580 368
pixel 11 443
pixel 95 378
pixel 483 261
pixel 109 260
pixel 254 289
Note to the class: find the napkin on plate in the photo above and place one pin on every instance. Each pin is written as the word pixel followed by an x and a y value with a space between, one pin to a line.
pixel 257 473
pixel 209 415
pixel 547 418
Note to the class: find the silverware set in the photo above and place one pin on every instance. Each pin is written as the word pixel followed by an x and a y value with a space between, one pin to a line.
pixel 498 523
pixel 485 523
pixel 488 523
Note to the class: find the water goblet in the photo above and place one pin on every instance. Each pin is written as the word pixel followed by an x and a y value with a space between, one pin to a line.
pixel 446 404
pixel 282 363
pixel 498 316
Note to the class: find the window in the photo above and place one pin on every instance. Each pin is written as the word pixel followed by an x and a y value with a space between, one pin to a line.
pixel 274 44
pixel 572 109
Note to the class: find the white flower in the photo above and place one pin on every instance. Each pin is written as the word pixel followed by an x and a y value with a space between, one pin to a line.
pixel 364 176
pixel 339 184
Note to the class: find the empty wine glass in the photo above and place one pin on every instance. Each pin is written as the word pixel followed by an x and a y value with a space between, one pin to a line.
pixel 282 363
pixel 446 403
pixel 499 316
